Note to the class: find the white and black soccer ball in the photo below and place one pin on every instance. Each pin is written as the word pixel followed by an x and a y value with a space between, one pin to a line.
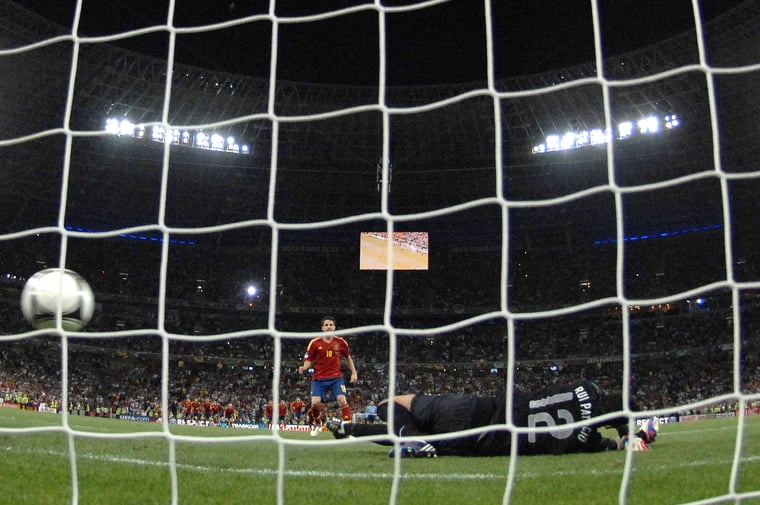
pixel 41 294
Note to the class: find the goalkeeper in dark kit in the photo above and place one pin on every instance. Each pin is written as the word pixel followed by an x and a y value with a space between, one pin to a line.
pixel 551 409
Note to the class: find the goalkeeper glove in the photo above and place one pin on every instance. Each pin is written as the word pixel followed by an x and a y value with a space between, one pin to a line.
pixel 634 443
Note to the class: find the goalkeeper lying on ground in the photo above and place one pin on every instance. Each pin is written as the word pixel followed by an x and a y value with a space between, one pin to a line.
pixel 416 416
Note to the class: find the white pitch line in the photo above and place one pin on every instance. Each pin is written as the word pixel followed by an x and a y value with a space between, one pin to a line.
pixel 257 471
pixel 362 475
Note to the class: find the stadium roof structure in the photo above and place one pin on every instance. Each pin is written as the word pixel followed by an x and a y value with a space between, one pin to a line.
pixel 442 136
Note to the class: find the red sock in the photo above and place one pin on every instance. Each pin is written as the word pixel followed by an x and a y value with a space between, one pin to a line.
pixel 315 413
pixel 345 412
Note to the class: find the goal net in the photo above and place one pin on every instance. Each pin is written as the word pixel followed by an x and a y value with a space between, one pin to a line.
pixel 487 197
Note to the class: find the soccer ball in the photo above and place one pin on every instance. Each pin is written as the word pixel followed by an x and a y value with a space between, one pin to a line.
pixel 39 299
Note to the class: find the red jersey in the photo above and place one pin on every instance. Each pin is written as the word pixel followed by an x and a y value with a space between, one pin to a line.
pixel 325 357
pixel 297 406
pixel 215 408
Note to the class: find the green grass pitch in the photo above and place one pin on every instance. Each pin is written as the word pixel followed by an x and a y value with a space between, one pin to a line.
pixel 120 462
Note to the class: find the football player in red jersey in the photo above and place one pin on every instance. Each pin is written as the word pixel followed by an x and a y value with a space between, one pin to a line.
pixel 297 407
pixel 268 412
pixel 324 355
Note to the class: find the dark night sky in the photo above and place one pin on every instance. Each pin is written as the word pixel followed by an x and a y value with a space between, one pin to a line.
pixel 435 45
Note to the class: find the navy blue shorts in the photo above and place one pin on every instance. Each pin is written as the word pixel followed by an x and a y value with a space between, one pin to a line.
pixel 320 387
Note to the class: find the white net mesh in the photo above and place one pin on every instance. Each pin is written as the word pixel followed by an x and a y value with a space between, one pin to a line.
pixel 590 210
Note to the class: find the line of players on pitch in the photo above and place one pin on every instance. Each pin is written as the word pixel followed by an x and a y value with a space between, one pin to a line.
pixel 423 420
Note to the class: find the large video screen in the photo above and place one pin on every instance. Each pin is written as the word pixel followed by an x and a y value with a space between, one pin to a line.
pixel 410 250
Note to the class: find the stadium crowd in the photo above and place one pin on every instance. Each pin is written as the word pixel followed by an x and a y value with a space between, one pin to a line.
pixel 676 359
pixel 680 352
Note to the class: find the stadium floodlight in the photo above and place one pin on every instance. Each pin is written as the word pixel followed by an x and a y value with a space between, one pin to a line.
pixel 126 128
pixel 201 140
pixel 552 143
pixel 568 141
pixel 217 142
pixel 672 121
pixel 597 136
pixel 112 125
pixel 158 133
pixel 625 130
pixel 649 125
pixel 582 138
pixel 251 296
pixel 122 127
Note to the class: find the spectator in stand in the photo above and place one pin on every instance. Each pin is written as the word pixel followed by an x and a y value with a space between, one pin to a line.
pixel 370 413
